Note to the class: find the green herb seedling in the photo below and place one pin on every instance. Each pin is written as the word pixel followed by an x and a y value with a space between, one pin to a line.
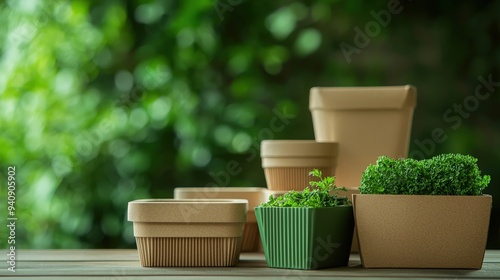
pixel 321 193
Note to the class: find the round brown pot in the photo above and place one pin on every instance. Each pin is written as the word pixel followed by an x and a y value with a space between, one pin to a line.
pixel 287 163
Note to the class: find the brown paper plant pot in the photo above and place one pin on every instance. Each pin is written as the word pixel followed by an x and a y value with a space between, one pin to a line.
pixel 287 163
pixel 423 213
pixel 365 121
pixel 422 231
pixel 255 196
pixel 188 232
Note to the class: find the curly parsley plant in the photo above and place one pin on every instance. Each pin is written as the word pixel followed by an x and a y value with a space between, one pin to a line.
pixel 447 174
pixel 321 193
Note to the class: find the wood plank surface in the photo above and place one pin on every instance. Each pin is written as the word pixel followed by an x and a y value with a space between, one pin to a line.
pixel 124 264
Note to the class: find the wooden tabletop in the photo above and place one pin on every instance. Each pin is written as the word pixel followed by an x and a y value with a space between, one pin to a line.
pixel 124 264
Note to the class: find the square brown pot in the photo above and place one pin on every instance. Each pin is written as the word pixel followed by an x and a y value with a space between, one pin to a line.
pixel 366 122
pixel 188 232
pixel 255 196
pixel 422 231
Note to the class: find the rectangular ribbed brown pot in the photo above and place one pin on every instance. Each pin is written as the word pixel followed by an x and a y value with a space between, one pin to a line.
pixel 188 232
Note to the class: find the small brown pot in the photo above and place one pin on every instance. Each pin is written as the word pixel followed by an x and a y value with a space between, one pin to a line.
pixel 188 232
pixel 287 163
pixel 366 122
pixel 255 196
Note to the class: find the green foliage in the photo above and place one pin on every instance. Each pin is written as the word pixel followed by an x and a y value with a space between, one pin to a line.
pixel 446 174
pixel 321 193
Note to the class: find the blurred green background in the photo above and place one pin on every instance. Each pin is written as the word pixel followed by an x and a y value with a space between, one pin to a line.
pixel 103 102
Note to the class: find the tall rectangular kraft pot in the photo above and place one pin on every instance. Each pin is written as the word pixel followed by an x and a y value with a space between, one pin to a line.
pixel 422 231
pixel 366 122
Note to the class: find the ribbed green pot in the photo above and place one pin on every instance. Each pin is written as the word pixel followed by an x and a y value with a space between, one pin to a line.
pixel 306 238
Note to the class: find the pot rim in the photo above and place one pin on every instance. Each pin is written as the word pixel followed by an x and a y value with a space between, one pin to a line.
pixel 254 195
pixel 310 208
pixel 298 148
pixel 222 189
pixel 362 98
pixel 188 210
pixel 189 201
